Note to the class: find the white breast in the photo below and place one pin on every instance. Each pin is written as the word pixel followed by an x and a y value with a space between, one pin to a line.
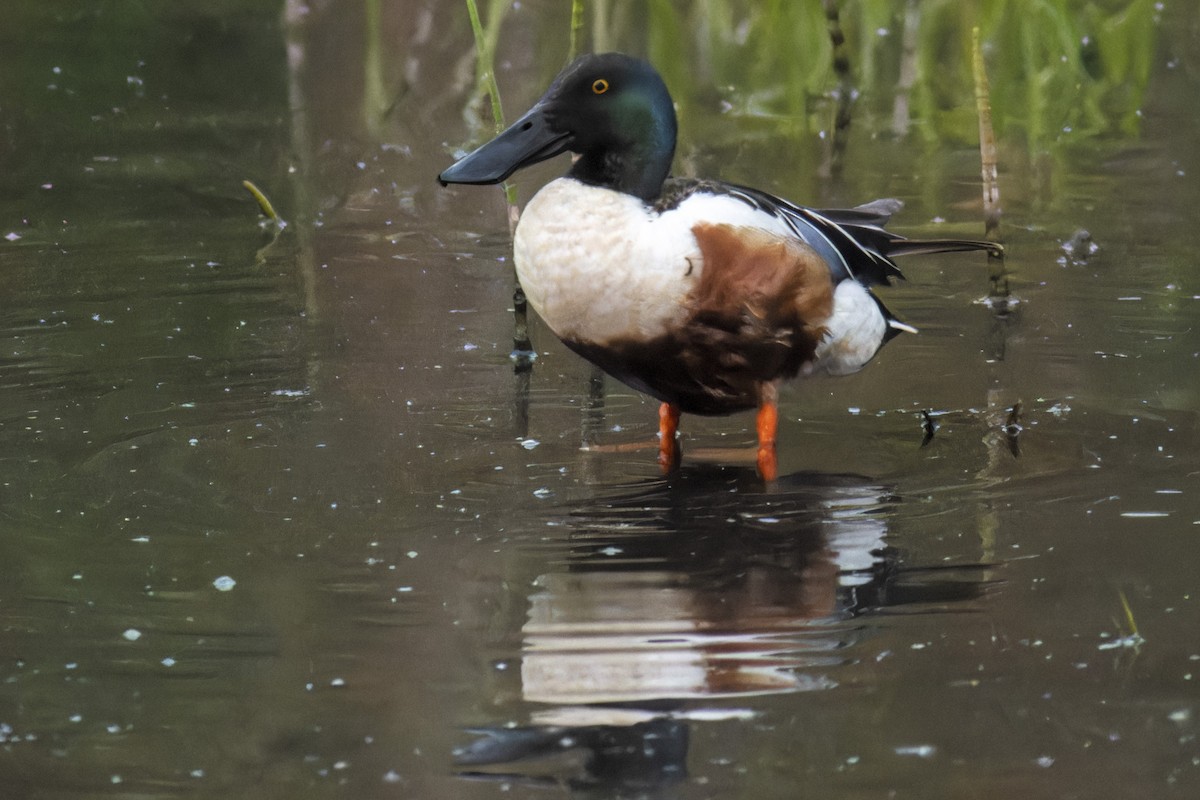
pixel 599 265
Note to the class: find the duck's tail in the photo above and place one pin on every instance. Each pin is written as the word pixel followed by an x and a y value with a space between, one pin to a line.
pixel 900 246
pixel 865 223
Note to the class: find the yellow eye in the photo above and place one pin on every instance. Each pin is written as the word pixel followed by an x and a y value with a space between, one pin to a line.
pixel 599 86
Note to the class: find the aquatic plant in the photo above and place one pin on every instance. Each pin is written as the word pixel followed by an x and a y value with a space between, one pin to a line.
pixel 1038 52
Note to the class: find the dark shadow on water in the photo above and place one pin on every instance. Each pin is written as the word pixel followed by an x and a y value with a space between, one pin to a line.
pixel 687 601
pixel 640 757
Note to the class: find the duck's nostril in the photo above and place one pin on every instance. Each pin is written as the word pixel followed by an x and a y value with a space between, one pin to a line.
pixel 527 126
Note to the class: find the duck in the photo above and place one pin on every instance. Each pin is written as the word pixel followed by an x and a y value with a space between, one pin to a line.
pixel 705 295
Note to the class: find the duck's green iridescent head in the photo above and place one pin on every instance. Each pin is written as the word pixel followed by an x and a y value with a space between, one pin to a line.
pixel 611 109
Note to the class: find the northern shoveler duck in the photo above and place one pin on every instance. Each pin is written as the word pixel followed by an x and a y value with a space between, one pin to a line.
pixel 703 294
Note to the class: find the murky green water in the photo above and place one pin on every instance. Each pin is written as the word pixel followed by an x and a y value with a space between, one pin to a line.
pixel 278 518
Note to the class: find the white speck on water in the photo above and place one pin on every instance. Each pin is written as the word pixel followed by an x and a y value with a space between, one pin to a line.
pixel 168 662
pixel 141 539
pixel 197 773
pixel 529 444
pixel 193 441
pixel 918 750
pixel 542 492
pixel 391 776
pixel 113 728
pixel 611 551
pixel 412 554
pixel 12 236
pixel 1045 761
pixel 116 779
pixel 224 583
pixel 75 718
pixel 132 635
pixel 1145 514
pixel 338 682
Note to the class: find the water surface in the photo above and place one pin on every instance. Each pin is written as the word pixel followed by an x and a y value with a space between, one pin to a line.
pixel 280 519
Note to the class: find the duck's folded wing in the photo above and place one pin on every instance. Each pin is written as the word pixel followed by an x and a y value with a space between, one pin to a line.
pixel 853 241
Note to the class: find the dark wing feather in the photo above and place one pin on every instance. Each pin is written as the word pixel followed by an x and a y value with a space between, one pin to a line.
pixel 852 241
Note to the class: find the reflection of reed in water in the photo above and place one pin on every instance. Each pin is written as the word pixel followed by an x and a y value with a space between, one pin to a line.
pixel 706 587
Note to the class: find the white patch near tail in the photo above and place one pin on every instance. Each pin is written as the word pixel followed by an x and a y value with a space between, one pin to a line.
pixel 856 331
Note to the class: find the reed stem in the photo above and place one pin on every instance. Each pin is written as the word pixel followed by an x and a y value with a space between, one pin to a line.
pixel 486 75
pixel 522 353
pixel 987 139
pixel 576 28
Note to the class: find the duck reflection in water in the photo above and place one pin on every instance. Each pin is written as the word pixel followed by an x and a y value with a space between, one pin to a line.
pixel 667 603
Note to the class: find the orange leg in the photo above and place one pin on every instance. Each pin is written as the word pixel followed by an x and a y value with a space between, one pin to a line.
pixel 766 425
pixel 668 445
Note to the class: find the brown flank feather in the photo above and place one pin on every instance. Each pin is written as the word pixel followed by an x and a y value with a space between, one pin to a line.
pixel 780 282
